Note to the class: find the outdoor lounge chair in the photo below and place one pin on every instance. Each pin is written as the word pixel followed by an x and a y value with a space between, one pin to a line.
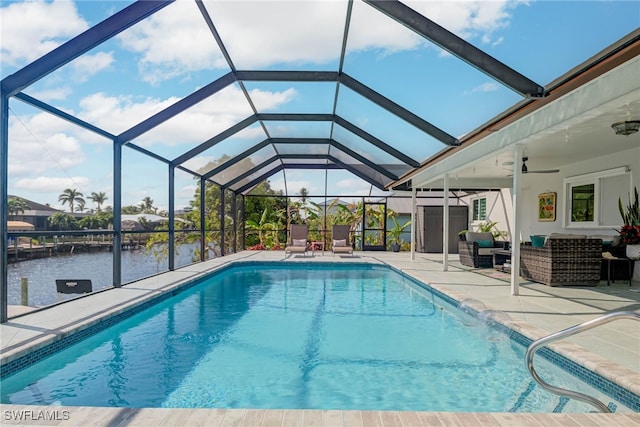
pixel 477 250
pixel 298 242
pixel 341 244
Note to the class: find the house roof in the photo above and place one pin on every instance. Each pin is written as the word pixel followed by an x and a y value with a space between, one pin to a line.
pixel 35 206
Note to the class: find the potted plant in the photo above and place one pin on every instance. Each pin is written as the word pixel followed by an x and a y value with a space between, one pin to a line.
pixel 486 227
pixel 630 230
pixel 394 234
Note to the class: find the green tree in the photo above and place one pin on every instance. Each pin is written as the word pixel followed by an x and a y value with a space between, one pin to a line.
pixel 130 210
pixel 98 199
pixel 394 234
pixel 146 206
pixel 263 228
pixel 16 205
pixel 62 221
pixel 275 202
pixel 71 197
pixel 304 193
pixel 97 221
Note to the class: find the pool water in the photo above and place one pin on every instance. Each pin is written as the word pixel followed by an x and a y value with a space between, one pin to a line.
pixel 297 336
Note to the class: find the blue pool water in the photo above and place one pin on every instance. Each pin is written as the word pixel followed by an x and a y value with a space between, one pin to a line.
pixel 297 336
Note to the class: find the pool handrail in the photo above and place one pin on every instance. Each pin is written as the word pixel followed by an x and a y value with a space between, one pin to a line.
pixel 567 333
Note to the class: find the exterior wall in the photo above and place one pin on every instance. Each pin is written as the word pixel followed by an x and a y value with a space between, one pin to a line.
pixel 499 209
pixel 500 206
pixel 534 184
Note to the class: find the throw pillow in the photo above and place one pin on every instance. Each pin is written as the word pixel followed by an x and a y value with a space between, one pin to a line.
pixel 485 243
pixel 299 242
pixel 340 243
pixel 537 241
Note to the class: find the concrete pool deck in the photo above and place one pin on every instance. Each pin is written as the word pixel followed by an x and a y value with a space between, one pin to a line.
pixel 611 350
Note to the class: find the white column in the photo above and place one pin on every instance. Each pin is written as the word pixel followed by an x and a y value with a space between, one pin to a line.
pixel 445 224
pixel 413 224
pixel 516 225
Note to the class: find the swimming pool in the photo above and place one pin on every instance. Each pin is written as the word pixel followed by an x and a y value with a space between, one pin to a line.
pixel 320 336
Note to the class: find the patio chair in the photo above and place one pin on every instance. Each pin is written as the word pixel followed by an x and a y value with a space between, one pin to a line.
pixel 340 243
pixel 477 250
pixel 298 241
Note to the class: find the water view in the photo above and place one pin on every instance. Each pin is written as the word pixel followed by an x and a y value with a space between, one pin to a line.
pixel 97 267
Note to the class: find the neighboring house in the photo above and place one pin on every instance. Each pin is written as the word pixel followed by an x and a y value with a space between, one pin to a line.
pixel 36 214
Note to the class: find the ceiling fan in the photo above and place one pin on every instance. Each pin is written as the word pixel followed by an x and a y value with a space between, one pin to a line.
pixel 525 169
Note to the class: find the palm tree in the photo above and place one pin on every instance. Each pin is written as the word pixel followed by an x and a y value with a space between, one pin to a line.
pixel 16 205
pixel 304 193
pixel 71 196
pixel 98 199
pixel 147 205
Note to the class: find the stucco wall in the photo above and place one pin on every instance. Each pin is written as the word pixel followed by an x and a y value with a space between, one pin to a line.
pixel 500 207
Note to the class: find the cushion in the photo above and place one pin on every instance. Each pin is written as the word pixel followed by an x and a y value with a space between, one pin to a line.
pixel 485 243
pixel 339 243
pixel 486 251
pixel 474 237
pixel 299 242
pixel 537 241
pixel 567 236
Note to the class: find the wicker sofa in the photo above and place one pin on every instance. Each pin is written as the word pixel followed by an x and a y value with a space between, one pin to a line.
pixel 477 250
pixel 563 260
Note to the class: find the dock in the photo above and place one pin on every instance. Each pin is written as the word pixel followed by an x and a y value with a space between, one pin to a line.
pixel 22 251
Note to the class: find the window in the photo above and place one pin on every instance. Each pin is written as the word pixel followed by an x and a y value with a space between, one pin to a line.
pixel 582 202
pixel 592 199
pixel 479 209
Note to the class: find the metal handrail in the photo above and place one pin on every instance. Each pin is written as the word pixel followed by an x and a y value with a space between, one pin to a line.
pixel 567 333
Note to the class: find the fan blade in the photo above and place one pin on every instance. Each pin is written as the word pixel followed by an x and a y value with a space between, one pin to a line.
pixel 545 171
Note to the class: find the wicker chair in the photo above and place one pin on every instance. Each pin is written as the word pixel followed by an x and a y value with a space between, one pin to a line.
pixel 563 261
pixel 476 252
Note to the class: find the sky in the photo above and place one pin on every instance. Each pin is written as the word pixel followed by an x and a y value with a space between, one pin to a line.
pixel 172 53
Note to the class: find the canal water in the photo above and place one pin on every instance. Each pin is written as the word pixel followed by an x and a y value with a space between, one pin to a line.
pixel 42 273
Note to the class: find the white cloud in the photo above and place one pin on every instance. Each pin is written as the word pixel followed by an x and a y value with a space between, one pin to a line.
pixel 49 184
pixel 49 25
pixel 119 113
pixel 294 32
pixel 41 143
pixel 370 29
pixel 57 94
pixel 197 124
pixel 264 100
pixel 173 42
pixel 353 187
pixel 484 87
pixel 468 19
pixel 88 65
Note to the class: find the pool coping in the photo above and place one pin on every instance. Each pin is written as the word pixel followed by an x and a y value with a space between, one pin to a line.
pixel 133 417
pixel 622 376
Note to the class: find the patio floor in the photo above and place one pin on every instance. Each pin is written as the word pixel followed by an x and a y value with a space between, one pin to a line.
pixel 612 350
